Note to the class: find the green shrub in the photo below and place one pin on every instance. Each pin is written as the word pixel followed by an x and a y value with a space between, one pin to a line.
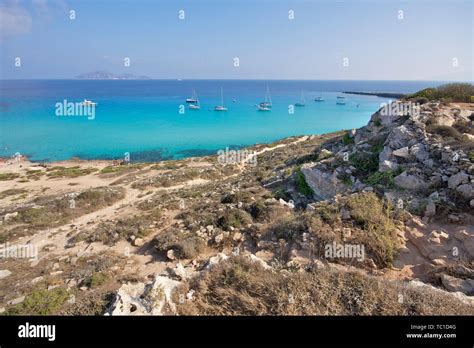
pixel 41 302
pixel 234 218
pixel 365 163
pixel 184 244
pixel 385 179
pixel 347 139
pixel 8 176
pixel 301 184
pixel 11 192
pixel 456 92
pixel 444 131
pixel 97 279
pixel 375 218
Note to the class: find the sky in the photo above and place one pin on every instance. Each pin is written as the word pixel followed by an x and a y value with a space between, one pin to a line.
pixel 239 39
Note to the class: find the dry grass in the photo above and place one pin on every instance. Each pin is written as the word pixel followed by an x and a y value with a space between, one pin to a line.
pixel 376 218
pixel 241 287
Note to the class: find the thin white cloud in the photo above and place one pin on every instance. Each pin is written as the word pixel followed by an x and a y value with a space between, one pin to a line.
pixel 14 20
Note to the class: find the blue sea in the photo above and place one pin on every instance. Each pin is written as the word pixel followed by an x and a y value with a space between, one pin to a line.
pixel 142 117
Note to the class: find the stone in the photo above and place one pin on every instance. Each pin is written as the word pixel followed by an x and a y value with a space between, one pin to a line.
pixel 371 264
pixel 10 216
pixel 170 254
pixel 215 260
pixel 410 182
pixel 138 242
pixel 387 166
pixel 440 235
pixel 453 284
pixel 4 273
pixel 36 280
pixel 430 209
pixel 385 154
pixel 180 271
pixel 458 179
pixel 290 205
pixel 419 152
pixel 453 218
pixel 237 236
pixel 16 300
pixel 345 214
pixel 259 261
pixel 399 137
pixel 439 262
pixel 402 152
pixel 466 190
pixel 219 238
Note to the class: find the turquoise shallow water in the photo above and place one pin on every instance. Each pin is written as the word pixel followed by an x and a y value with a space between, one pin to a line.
pixel 143 118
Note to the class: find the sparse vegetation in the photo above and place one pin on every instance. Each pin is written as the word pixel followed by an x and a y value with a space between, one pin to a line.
pixel 241 287
pixel 8 176
pixel 11 192
pixel 41 302
pixel 301 184
pixel 376 218
pixel 184 244
pixel 68 172
pixel 452 92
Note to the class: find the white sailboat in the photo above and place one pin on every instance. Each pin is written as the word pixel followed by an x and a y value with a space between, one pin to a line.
pixel 196 105
pixel 193 98
pixel 320 98
pixel 221 107
pixel 88 103
pixel 267 104
pixel 302 101
pixel 341 100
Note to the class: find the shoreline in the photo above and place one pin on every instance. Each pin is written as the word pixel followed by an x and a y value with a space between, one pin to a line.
pixel 118 161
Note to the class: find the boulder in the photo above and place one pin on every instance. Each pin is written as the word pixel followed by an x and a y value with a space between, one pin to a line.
pixel 419 152
pixel 10 216
pixel 430 209
pixel 410 182
pixel 387 166
pixel 458 179
pixel 4 273
pixel 138 242
pixel 144 299
pixel 402 152
pixel 215 260
pixel 454 284
pixel 16 300
pixel 466 190
pixel 170 254
pixel 400 137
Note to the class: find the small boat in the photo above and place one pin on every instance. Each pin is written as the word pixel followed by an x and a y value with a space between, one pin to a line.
pixel 340 100
pixel 88 103
pixel 302 101
pixel 193 98
pixel 267 104
pixel 196 105
pixel 234 100
pixel 221 107
pixel 319 99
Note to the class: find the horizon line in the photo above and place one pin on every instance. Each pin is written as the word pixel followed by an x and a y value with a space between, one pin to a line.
pixel 227 79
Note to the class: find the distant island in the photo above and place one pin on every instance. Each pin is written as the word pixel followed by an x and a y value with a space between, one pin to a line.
pixel 105 75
